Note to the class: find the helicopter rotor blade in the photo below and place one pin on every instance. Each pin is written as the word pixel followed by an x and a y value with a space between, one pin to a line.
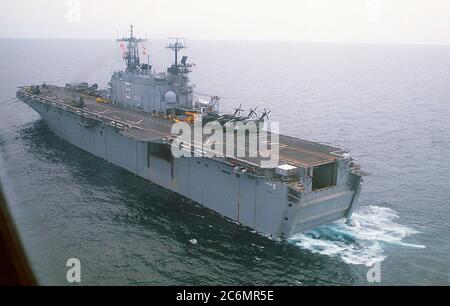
pixel 237 111
pixel 252 112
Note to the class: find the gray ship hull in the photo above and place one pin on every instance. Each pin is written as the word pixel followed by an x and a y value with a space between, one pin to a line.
pixel 272 208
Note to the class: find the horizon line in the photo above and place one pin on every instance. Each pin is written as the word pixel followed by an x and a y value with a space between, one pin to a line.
pixel 245 40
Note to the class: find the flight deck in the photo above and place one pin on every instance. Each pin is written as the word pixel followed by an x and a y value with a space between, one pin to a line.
pixel 146 127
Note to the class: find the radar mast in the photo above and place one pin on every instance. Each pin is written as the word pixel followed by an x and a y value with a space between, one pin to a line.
pixel 178 68
pixel 131 55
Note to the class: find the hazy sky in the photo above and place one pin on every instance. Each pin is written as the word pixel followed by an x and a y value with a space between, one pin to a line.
pixel 391 21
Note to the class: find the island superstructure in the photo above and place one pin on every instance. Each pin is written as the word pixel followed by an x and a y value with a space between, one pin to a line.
pixel 129 124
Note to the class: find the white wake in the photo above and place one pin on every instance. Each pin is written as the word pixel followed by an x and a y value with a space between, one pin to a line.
pixel 361 243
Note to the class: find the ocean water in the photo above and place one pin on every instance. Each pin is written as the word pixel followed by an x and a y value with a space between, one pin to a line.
pixel 388 104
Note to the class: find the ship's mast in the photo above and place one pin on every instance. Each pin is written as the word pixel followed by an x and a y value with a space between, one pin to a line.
pixel 131 55
pixel 183 67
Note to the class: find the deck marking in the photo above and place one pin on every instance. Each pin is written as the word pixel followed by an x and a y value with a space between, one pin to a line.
pixel 101 109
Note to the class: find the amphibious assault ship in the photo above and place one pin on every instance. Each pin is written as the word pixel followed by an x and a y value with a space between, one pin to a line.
pixel 130 125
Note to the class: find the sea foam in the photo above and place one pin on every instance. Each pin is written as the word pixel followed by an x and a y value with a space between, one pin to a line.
pixel 363 241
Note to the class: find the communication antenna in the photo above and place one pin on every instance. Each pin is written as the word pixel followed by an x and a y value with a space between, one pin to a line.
pixel 132 50
pixel 176 44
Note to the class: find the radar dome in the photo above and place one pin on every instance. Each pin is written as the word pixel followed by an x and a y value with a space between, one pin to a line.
pixel 170 97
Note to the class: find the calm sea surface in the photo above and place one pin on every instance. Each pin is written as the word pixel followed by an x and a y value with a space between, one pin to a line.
pixel 389 105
